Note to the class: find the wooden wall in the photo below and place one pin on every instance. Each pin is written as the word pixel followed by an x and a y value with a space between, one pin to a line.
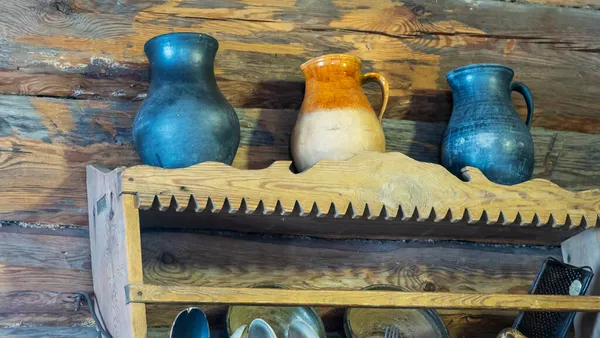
pixel 40 269
pixel 73 73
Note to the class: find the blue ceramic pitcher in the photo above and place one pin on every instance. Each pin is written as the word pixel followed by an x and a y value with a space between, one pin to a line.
pixel 185 119
pixel 485 130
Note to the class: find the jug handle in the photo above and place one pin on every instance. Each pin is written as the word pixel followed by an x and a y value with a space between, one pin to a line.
pixel 385 89
pixel 522 89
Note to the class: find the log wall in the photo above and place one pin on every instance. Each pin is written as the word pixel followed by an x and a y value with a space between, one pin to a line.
pixel 73 73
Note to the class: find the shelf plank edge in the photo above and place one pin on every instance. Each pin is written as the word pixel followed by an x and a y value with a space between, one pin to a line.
pixel 147 293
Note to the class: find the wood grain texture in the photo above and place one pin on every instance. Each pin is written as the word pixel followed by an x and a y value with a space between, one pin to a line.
pixel 89 332
pixel 42 263
pixel 369 185
pixel 76 332
pixel 44 251
pixel 39 308
pixel 243 261
pixel 116 254
pixel 584 250
pixel 42 270
pixel 148 293
pixel 94 49
pixel 46 144
pixel 43 332
pixel 173 257
pixel 133 263
pixel 588 4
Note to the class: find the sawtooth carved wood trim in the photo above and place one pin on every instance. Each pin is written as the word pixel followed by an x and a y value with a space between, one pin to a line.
pixel 370 185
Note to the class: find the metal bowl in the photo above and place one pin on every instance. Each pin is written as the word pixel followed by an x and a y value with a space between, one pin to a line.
pixel 412 323
pixel 279 318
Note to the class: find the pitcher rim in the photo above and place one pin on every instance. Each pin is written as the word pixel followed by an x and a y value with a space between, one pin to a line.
pixel 326 57
pixel 178 35
pixel 467 68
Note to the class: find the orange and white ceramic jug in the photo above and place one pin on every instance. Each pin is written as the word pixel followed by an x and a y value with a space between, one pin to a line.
pixel 336 120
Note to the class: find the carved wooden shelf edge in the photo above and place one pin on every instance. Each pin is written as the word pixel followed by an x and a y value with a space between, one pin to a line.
pixel 369 185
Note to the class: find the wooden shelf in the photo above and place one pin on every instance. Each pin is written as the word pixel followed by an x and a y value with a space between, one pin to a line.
pixel 372 195
pixel 140 293
pixel 400 197
pixel 369 185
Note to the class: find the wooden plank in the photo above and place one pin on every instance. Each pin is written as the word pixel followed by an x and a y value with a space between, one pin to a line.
pixel 589 4
pixel 148 293
pixel 44 251
pixel 26 301
pixel 39 229
pixel 133 263
pixel 42 262
pixel 47 143
pixel 584 250
pixel 114 265
pixel 568 149
pixel 173 258
pixel 42 270
pixel 39 308
pixel 17 278
pixel 75 332
pixel 42 332
pixel 369 185
pixel 89 49
pixel 38 278
pixel 46 182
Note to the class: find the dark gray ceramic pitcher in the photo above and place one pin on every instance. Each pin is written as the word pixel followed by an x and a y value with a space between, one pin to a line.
pixel 185 119
pixel 485 130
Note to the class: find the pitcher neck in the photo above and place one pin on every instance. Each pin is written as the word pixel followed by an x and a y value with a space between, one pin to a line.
pixel 333 82
pixel 339 70
pixel 488 81
pixel 181 57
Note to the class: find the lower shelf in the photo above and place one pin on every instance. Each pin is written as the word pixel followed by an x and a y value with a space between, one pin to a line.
pixel 148 293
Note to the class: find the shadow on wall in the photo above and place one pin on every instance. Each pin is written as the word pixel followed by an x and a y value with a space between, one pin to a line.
pixel 275 95
pixel 415 135
pixel 266 131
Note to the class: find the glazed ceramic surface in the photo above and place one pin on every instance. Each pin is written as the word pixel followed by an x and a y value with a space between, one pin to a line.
pixel 260 329
pixel 185 119
pixel 336 120
pixel 279 318
pixel 190 323
pixel 485 130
